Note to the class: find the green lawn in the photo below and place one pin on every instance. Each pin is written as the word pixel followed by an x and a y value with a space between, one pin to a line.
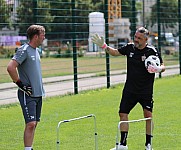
pixel 64 66
pixel 103 103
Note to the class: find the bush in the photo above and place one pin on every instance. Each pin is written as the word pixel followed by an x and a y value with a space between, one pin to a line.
pixel 6 52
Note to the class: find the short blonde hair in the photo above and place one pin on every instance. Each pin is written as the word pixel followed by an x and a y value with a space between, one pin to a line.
pixel 34 30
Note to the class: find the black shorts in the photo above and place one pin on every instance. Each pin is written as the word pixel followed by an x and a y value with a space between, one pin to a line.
pixel 129 100
pixel 31 106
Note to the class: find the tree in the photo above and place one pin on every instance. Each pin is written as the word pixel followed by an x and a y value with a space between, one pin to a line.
pixel 62 12
pixel 126 8
pixel 128 12
pixel 5 11
pixel 168 14
pixel 97 5
pixel 44 16
pixel 38 14
pixel 25 16
pixel 94 2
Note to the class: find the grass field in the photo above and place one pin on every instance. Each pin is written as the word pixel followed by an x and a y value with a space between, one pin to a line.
pixel 103 103
pixel 64 66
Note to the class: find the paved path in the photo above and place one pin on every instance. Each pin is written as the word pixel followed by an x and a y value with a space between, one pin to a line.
pixel 64 84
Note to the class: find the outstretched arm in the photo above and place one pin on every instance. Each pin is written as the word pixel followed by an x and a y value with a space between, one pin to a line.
pixel 112 51
pixel 96 39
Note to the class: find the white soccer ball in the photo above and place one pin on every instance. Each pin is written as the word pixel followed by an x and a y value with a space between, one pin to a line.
pixel 152 59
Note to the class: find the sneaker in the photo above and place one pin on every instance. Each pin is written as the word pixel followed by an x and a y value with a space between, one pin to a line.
pixel 120 147
pixel 148 147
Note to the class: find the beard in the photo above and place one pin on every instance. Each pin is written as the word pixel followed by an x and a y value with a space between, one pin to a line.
pixel 137 45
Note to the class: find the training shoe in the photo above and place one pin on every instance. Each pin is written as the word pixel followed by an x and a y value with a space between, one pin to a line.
pixel 148 147
pixel 120 147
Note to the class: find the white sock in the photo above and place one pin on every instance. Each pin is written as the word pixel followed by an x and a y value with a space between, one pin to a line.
pixel 28 148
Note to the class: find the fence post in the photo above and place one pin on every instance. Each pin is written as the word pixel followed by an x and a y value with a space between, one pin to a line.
pixel 107 41
pixel 133 19
pixel 159 29
pixel 35 11
pixel 179 21
pixel 74 49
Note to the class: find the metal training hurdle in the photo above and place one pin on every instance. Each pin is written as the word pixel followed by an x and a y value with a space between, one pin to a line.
pixel 131 121
pixel 74 119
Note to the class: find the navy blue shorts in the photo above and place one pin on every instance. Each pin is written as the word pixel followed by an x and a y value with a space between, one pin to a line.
pixel 31 106
pixel 129 100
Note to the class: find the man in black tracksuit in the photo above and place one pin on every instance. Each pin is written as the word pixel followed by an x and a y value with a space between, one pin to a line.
pixel 139 83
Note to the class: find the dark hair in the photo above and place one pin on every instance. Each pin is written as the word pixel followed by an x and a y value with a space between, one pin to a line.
pixel 35 30
pixel 143 30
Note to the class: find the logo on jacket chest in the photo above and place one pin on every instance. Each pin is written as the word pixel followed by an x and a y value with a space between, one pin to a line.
pixel 33 58
pixel 131 54
pixel 142 57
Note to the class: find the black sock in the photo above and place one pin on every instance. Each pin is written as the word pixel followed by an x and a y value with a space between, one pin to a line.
pixel 148 139
pixel 123 138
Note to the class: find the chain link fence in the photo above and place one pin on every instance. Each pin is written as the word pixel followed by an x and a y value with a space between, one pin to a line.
pixel 70 61
pixel 68 50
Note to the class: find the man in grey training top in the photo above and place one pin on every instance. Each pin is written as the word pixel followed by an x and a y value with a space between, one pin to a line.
pixel 25 70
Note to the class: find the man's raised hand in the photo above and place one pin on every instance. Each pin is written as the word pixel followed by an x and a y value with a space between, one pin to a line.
pixel 96 39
